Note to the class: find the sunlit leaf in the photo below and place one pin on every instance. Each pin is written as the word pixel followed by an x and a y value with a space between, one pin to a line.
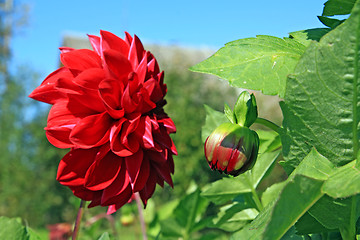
pixel 321 107
pixel 346 178
pixel 260 63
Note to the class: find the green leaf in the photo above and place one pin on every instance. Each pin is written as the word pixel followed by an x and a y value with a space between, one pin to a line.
pixel 228 212
pixel 291 235
pixel 245 109
pixel 188 210
pixel 305 37
pixel 12 229
pixel 171 228
pixel 315 166
pixel 229 113
pixel 260 63
pixel 263 164
pixel 299 194
pixel 297 197
pixel 346 178
pixel 213 120
pixel 332 213
pixel 338 7
pixel 330 22
pixel 226 189
pixel 321 102
pixel 308 225
pixel 272 192
pixel 104 236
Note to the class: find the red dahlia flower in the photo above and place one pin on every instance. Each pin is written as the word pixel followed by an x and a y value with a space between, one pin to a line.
pixel 108 108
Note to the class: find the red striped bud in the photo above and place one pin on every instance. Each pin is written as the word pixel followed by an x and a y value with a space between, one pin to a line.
pixel 232 149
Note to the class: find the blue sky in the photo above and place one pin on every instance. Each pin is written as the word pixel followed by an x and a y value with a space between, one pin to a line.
pixel 194 23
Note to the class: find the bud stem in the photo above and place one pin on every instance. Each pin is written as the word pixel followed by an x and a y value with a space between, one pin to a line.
pixel 268 124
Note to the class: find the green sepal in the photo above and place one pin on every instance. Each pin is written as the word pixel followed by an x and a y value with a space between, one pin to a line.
pixel 229 113
pixel 245 109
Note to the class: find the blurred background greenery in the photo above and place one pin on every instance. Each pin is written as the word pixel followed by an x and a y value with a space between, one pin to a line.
pixel 28 163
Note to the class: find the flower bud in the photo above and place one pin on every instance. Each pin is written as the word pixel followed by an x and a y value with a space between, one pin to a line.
pixel 231 149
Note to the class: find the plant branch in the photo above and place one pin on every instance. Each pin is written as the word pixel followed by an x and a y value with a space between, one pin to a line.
pixel 141 215
pixel 78 220
pixel 268 124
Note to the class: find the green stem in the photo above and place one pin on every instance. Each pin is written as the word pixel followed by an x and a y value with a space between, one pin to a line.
pixel 78 220
pixel 268 124
pixel 255 195
pixel 348 232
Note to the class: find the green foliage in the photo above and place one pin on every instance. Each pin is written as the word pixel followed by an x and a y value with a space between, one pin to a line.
pixel 319 138
pixel 260 63
pixel 320 107
pixel 338 7
pixel 13 229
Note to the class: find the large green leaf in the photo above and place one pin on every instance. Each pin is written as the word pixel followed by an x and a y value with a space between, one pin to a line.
pixel 346 178
pixel 308 224
pixel 338 7
pixel 299 194
pixel 332 213
pixel 260 63
pixel 321 103
pixel 297 197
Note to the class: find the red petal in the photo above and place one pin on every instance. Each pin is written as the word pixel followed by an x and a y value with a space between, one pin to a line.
pixel 115 140
pixel 136 52
pixel 144 132
pixel 72 168
pixel 118 191
pixel 118 64
pixel 159 157
pixel 110 92
pixel 81 59
pixel 142 176
pixel 149 187
pixel 103 172
pixel 164 171
pixel 47 92
pixel 127 102
pixel 90 78
pixel 128 38
pixel 133 164
pixel 89 99
pixel 66 49
pixel 111 41
pixel 96 199
pixel 91 131
pixel 168 124
pixel 141 70
pixel 154 90
pixel 59 137
pixel 82 193
pixel 153 66
pixel 67 86
pixel 95 43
